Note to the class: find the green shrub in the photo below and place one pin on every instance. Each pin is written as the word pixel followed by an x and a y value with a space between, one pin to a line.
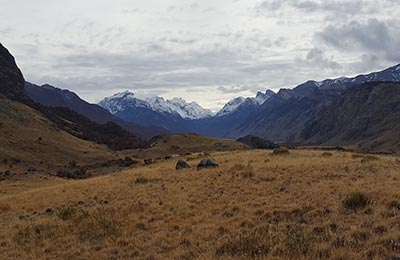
pixel 355 201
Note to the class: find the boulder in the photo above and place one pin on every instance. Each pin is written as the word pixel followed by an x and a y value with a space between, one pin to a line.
pixel 148 161
pixel 207 163
pixel 7 173
pixel 32 169
pixel 181 164
pixel 128 162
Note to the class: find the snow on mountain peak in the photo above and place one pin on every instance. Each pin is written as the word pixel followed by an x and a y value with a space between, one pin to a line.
pixel 122 101
pixel 231 106
pixel 234 104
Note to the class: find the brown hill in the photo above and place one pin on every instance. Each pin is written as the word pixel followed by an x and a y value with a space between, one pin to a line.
pixel 188 143
pixel 12 87
pixel 29 139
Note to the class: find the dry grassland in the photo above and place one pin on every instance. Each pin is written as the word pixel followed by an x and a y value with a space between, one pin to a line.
pixel 302 205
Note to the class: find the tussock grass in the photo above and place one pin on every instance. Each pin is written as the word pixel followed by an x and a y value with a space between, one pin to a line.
pixel 287 207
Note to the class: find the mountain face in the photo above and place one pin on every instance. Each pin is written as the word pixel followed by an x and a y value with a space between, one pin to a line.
pixel 367 115
pixel 50 96
pixel 127 107
pixel 234 104
pixel 11 78
pixel 127 100
pixel 285 115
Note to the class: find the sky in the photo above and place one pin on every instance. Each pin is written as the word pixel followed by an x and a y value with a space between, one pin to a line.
pixel 207 51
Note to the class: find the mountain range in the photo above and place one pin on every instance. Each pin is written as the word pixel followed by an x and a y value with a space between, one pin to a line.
pixel 361 111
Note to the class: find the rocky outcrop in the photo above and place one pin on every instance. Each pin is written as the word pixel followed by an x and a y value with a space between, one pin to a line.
pixel 11 78
pixel 257 142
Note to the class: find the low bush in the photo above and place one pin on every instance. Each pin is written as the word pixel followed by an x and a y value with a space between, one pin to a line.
pixel 355 201
pixel 280 151
pixel 249 246
pixel 369 158
pixel 326 154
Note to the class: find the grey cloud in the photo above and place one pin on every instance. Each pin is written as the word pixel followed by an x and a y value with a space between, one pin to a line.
pixel 344 6
pixel 233 89
pixel 373 35
pixel 317 58
pixel 366 63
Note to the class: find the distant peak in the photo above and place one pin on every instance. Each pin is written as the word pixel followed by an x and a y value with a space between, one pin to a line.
pixel 269 92
pixel 123 94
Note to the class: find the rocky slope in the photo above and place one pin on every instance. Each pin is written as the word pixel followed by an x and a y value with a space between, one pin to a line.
pixel 367 116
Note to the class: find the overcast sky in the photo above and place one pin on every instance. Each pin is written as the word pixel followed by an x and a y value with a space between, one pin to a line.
pixel 207 51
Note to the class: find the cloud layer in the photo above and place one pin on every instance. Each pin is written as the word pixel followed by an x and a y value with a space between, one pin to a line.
pixel 205 51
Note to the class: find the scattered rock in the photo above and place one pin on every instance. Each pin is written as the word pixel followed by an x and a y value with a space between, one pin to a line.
pixel 32 169
pixel 73 171
pixel 257 142
pixel 7 173
pixel 181 164
pixel 148 161
pixel 207 163
pixel 72 164
pixel 127 162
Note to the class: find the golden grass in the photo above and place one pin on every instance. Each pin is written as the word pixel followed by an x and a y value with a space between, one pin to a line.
pixel 254 206
pixel 28 136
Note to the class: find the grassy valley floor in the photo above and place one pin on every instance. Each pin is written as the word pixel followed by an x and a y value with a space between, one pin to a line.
pixel 303 205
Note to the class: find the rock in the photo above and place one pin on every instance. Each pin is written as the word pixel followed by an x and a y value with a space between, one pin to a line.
pixel 257 142
pixel 32 169
pixel 168 157
pixel 148 161
pixel 72 164
pixel 129 162
pixel 207 163
pixel 181 164
pixel 7 173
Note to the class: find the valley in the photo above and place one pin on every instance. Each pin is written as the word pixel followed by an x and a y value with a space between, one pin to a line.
pixel 305 173
pixel 255 205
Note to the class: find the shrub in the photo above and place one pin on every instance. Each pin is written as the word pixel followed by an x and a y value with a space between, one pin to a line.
pixel 296 242
pixel 67 213
pixel 246 171
pixel 73 174
pixel 394 205
pixel 280 151
pixel 251 245
pixel 142 180
pixel 356 156
pixel 369 158
pixel 97 226
pixel 326 154
pixel 355 201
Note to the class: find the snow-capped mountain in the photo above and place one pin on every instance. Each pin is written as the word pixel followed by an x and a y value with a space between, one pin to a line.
pixel 122 101
pixel 234 104
pixel 391 74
